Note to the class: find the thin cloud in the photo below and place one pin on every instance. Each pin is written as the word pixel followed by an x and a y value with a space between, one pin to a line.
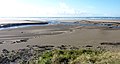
pixel 15 8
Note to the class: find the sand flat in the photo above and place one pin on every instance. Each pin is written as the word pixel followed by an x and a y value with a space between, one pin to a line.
pixel 51 35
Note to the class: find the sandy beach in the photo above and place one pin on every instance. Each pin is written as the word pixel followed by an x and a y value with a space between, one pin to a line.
pixel 29 43
pixel 55 35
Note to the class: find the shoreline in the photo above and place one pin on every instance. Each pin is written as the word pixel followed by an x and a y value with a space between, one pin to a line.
pixel 6 24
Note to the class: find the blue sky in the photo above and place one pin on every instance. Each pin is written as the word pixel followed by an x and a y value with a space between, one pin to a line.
pixel 59 8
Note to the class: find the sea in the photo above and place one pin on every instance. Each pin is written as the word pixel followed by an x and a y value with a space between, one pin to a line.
pixel 62 18
pixel 50 20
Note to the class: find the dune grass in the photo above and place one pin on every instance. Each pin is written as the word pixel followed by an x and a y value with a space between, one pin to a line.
pixel 78 57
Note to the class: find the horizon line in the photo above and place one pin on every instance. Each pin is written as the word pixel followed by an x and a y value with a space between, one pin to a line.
pixel 68 17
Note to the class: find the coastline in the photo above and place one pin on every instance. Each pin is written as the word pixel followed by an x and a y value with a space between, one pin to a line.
pixel 59 34
pixel 73 35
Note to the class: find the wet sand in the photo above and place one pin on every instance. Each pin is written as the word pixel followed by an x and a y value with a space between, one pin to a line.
pixel 59 35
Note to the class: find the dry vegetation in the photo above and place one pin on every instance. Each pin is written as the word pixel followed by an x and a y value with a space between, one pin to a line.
pixel 78 57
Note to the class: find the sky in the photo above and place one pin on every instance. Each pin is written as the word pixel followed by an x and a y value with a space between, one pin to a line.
pixel 59 8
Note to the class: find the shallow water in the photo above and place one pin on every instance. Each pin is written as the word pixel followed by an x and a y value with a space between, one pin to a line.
pixel 57 20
